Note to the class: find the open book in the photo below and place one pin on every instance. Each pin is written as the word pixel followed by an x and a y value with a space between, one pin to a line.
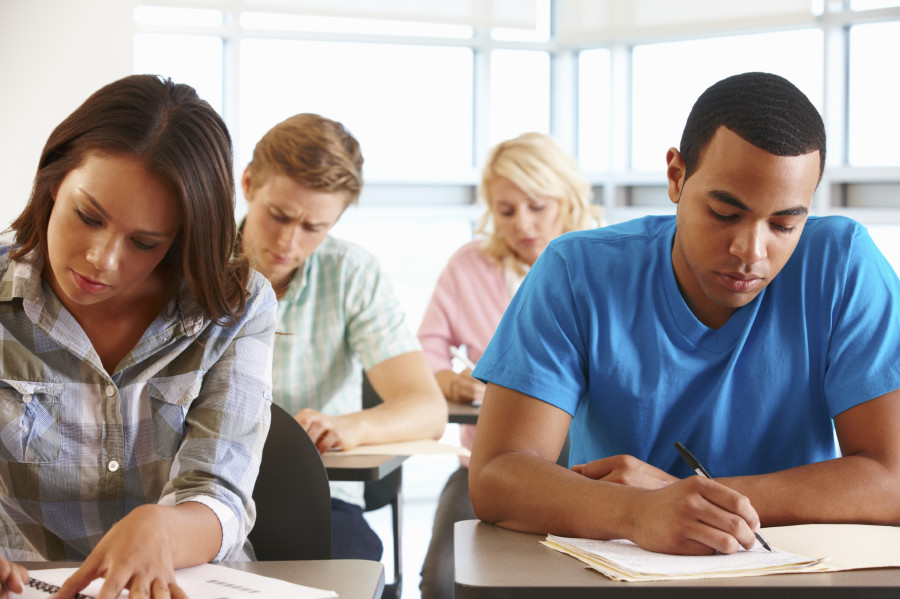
pixel 796 549
pixel 207 581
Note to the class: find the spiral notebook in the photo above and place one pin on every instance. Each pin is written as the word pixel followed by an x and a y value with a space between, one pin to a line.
pixel 208 581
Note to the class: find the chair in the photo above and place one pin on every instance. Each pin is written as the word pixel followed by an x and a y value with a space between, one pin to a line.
pixel 293 500
pixel 380 493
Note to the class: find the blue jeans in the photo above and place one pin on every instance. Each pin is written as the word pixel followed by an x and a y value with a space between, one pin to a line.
pixel 351 535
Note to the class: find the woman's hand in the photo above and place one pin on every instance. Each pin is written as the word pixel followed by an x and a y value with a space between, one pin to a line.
pixel 12 578
pixel 136 554
pixel 460 386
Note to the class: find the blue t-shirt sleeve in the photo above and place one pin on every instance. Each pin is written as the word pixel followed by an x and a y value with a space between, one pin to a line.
pixel 864 349
pixel 538 348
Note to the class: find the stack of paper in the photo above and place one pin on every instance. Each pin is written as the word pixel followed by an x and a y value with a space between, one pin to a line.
pixel 843 547
pixel 624 561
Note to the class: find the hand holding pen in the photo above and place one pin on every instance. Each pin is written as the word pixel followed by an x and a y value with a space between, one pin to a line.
pixel 697 467
pixel 464 388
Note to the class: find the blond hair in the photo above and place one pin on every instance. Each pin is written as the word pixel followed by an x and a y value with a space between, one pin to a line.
pixel 314 152
pixel 537 165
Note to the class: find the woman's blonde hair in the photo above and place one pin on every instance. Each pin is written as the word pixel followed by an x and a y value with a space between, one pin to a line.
pixel 537 165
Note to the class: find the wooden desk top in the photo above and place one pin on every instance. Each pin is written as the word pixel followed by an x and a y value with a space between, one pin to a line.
pixel 363 468
pixel 493 562
pixel 461 413
pixel 350 578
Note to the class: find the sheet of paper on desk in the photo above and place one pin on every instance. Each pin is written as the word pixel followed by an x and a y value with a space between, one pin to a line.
pixel 624 561
pixel 424 447
pixel 208 581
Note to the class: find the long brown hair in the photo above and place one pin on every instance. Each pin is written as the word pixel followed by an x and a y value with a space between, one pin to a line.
pixel 183 141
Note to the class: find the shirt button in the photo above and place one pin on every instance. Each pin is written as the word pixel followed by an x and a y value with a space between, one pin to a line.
pixel 27 398
pixel 110 391
pixel 113 466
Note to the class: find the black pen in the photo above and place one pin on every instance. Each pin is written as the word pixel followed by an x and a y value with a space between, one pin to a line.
pixel 697 467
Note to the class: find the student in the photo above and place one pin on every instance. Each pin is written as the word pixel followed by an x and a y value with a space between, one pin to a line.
pixel 534 192
pixel 337 314
pixel 135 381
pixel 741 327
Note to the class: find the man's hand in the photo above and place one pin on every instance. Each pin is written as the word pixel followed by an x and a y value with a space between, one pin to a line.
pixel 626 470
pixel 693 516
pixel 327 432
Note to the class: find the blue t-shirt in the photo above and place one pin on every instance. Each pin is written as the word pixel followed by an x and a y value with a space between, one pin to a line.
pixel 599 329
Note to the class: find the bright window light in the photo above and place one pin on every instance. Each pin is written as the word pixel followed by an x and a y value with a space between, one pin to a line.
pixel 192 59
pixel 663 95
pixel 410 107
pixel 874 123
pixel 178 17
pixel 593 109
pixel 310 23
pixel 520 93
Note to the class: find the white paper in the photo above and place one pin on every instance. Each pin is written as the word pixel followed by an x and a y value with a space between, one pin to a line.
pixel 207 581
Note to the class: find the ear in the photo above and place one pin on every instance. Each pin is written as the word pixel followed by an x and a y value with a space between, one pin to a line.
pixel 675 174
pixel 247 183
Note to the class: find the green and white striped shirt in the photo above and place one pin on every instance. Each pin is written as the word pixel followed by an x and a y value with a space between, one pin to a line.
pixel 338 317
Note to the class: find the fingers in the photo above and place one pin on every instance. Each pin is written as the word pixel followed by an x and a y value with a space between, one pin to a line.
pixel 465 389
pixel 13 577
pixel 78 580
pixel 320 428
pixel 716 517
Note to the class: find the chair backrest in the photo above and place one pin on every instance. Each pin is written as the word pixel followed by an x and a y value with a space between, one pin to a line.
pixel 293 500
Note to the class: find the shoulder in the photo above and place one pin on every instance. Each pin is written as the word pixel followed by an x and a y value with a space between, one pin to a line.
pixel 469 255
pixel 832 237
pixel 334 251
pixel 629 241
pixel 260 293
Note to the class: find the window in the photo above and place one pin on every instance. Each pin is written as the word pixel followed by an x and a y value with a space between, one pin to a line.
pixel 668 78
pixel 874 123
pixel 519 94
pixel 593 109
pixel 410 107
pixel 164 54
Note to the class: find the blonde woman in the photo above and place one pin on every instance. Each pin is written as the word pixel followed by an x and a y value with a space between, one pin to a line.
pixel 534 192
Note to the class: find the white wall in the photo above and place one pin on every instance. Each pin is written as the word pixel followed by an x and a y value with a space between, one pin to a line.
pixel 55 53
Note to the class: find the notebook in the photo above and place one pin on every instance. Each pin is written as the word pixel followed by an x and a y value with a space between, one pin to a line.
pixel 207 581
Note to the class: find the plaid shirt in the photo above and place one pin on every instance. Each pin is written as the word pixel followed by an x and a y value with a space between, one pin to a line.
pixel 183 418
pixel 338 317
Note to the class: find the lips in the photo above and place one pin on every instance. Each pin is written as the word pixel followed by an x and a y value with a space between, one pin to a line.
pixel 89 285
pixel 739 283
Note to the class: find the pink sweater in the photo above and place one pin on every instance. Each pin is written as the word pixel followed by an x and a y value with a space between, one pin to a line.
pixel 465 309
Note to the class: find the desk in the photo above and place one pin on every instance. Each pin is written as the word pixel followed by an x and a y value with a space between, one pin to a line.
pixel 364 468
pixel 462 413
pixel 493 562
pixel 351 578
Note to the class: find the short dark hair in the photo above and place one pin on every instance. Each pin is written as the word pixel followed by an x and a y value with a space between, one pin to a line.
pixel 765 110
pixel 181 140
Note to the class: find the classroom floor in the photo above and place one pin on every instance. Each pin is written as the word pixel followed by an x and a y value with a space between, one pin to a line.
pixel 423 479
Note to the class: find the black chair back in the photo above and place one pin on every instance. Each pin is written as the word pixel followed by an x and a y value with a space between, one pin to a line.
pixel 293 500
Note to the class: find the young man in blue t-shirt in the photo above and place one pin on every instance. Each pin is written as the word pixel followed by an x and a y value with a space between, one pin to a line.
pixel 741 327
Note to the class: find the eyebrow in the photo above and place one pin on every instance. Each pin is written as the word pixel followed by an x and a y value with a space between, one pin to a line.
pixel 727 198
pixel 106 215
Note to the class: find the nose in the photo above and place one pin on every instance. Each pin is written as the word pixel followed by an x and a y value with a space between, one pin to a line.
pixel 104 254
pixel 523 221
pixel 749 245
pixel 287 237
